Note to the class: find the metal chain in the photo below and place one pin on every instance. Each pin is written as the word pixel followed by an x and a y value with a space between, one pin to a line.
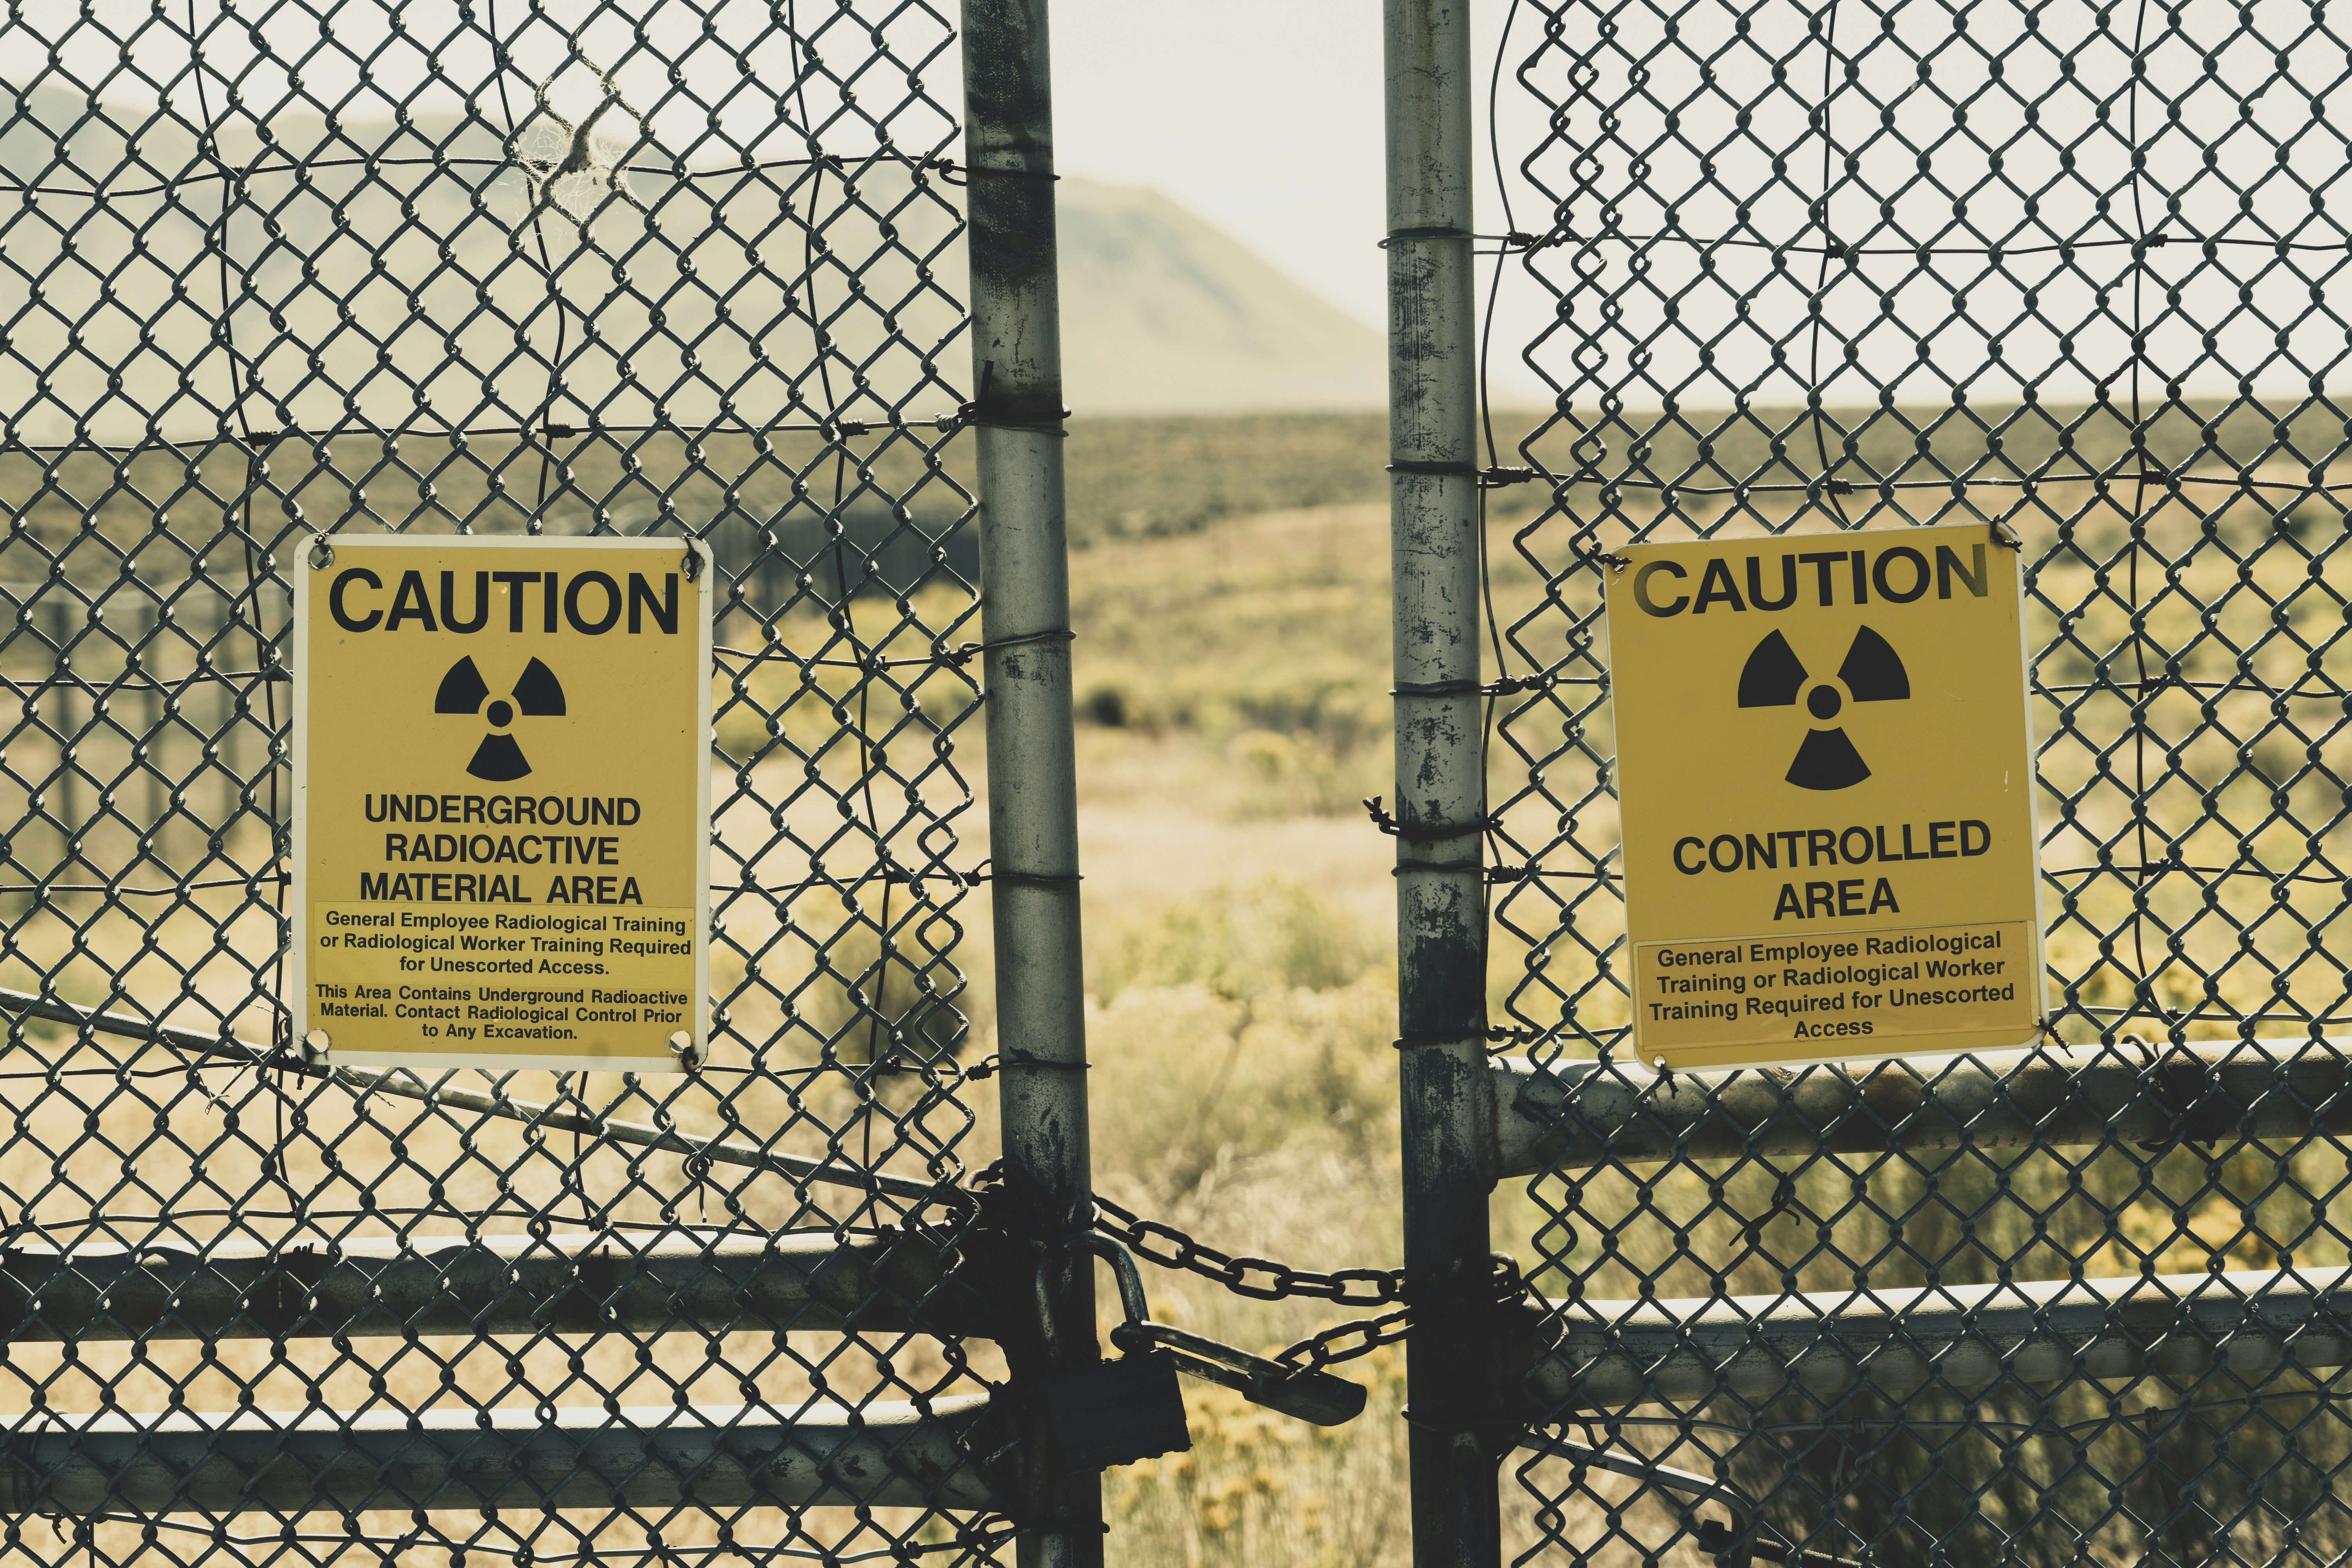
pixel 1348 1287
pixel 1346 1341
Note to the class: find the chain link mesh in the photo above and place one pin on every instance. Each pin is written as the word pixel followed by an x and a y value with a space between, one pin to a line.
pixel 2075 273
pixel 270 271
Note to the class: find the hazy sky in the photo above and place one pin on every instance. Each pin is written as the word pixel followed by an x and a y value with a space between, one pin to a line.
pixel 1264 117
pixel 1959 128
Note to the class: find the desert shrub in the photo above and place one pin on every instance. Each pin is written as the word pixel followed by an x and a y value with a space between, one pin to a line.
pixel 1240 944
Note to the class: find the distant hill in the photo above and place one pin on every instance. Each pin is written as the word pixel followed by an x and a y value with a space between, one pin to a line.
pixel 416 294
pixel 1164 312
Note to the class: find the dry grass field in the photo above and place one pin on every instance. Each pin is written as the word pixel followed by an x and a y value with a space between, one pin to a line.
pixel 1232 683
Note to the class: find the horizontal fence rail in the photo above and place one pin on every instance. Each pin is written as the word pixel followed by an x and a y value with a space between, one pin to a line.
pixel 584 1283
pixel 1964 1339
pixel 882 1456
pixel 1571 1116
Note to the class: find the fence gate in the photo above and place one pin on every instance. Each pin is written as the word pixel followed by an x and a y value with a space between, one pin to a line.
pixel 507 266
pixel 2065 272
pixel 2076 273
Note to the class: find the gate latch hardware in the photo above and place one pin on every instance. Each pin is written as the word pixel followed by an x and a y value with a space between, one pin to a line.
pixel 1309 1395
pixel 1110 1413
pixel 1316 1396
pixel 1115 1412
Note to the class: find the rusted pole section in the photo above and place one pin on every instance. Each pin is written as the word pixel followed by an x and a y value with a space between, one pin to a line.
pixel 1458 1431
pixel 1032 765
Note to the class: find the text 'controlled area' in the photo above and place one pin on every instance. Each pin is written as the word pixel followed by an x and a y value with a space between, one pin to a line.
pixel 1813 847
pixel 1756 684
pixel 561 921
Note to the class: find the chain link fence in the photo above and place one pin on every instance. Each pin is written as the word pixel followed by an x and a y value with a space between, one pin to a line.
pixel 273 272
pixel 2073 273
pixel 2065 274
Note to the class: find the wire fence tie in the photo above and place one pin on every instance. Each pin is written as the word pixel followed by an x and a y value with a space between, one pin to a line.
pixel 1424 833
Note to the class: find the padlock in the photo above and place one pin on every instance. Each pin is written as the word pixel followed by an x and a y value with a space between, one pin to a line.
pixel 1316 1396
pixel 1310 1396
pixel 1110 1413
pixel 1117 1412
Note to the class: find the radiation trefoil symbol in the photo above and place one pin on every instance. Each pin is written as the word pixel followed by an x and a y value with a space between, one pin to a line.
pixel 537 694
pixel 1774 677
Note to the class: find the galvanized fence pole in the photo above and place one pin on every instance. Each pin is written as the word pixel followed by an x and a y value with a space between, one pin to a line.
pixel 1032 765
pixel 1439 793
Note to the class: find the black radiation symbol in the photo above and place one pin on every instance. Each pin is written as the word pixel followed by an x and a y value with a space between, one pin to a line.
pixel 1774 677
pixel 537 693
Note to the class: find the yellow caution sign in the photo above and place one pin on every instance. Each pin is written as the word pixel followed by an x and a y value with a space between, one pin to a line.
pixel 502 803
pixel 1826 781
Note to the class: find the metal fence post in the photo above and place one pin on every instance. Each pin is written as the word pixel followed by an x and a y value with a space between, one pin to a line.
pixel 1031 766
pixel 1439 793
